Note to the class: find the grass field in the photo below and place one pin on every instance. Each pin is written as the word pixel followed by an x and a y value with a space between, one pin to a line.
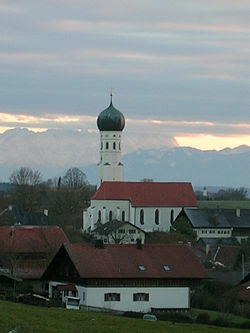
pixel 29 319
pixel 245 204
pixel 214 315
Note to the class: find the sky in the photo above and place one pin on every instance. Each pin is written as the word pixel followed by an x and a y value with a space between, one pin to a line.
pixel 179 70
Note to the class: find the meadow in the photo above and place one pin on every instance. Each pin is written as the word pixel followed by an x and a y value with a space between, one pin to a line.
pixel 31 319
pixel 224 204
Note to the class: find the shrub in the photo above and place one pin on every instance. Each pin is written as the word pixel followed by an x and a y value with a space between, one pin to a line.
pixel 221 321
pixel 203 318
pixel 246 324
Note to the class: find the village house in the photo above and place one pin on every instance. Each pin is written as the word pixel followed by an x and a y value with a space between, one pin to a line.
pixel 25 251
pixel 125 277
pixel 118 232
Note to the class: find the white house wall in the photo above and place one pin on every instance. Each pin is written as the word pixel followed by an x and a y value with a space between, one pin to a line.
pixel 213 232
pixel 162 298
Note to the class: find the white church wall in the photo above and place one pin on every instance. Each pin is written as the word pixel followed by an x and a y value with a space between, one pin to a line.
pixel 149 223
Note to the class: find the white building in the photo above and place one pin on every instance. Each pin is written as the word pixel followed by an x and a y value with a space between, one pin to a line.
pixel 118 232
pixel 125 278
pixel 148 205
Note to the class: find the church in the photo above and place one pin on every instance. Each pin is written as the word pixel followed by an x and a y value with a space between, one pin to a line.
pixel 150 206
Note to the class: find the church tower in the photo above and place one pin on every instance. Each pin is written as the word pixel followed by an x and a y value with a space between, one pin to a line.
pixel 110 123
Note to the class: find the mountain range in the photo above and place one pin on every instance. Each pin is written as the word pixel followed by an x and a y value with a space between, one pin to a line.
pixel 54 151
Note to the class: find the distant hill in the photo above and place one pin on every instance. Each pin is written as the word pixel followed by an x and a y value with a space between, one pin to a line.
pixel 202 168
pixel 54 151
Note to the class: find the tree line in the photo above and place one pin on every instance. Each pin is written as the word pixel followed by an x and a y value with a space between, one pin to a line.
pixel 62 199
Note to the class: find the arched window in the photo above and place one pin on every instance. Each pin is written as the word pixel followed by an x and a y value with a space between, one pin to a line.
pixel 101 145
pixel 114 146
pixel 157 216
pixel 99 216
pixel 107 145
pixel 172 216
pixel 110 215
pixel 119 145
pixel 142 216
pixel 123 215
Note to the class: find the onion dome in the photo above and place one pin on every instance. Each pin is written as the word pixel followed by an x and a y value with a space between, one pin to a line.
pixel 111 119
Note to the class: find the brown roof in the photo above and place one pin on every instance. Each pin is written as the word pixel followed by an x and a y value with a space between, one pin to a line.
pixel 144 194
pixel 126 261
pixel 31 239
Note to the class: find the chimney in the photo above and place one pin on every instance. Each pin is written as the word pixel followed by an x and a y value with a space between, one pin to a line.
pixel 138 244
pixel 238 212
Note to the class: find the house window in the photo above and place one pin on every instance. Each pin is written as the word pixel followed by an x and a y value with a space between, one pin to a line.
pixel 112 297
pixel 157 216
pixel 83 295
pixel 131 231
pixel 142 216
pixel 172 216
pixel 121 231
pixel 110 215
pixel 99 216
pixel 114 146
pixel 107 145
pixel 141 297
pixel 123 215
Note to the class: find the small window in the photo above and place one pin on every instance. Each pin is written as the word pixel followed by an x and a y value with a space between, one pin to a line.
pixel 112 297
pixel 141 297
pixel 123 216
pixel 166 268
pixel 119 146
pixel 142 268
pixel 101 145
pixel 121 231
pixel 83 295
pixel 114 146
pixel 157 216
pixel 99 216
pixel 110 215
pixel 142 216
pixel 132 231
pixel 107 145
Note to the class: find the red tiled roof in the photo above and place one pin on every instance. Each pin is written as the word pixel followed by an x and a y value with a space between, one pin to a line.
pixel 144 194
pixel 31 239
pixel 123 261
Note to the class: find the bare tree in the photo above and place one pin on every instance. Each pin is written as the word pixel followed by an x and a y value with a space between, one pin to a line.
pixel 74 178
pixel 26 176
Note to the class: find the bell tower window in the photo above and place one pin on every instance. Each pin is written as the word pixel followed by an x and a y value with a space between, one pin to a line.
pixel 107 145
pixel 114 146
